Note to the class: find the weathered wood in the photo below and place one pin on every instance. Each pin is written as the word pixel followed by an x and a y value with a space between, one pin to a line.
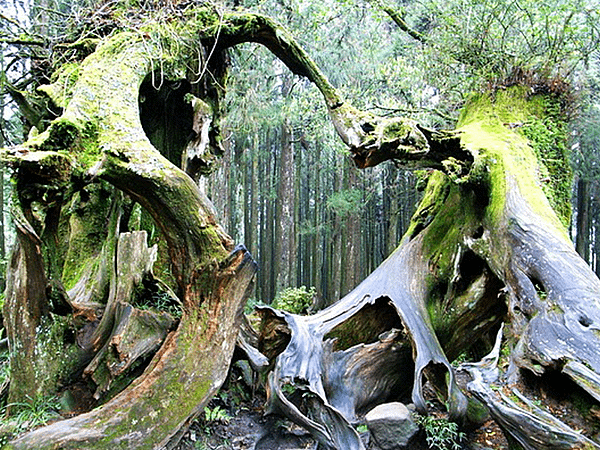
pixel 197 157
pixel 133 261
pixel 304 358
pixel 213 279
pixel 186 372
pixel 480 251
pixel 26 292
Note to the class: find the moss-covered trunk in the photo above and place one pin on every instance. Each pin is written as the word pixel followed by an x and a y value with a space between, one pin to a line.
pixel 483 249
pixel 169 347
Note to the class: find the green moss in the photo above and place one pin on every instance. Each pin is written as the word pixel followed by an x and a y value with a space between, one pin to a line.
pixel 170 393
pixel 454 210
pixel 436 192
pixel 393 129
pixel 89 209
pixel 547 131
pixel 490 128
pixel 447 215
pixel 63 80
pixel 56 359
pixel 62 135
pixel 65 135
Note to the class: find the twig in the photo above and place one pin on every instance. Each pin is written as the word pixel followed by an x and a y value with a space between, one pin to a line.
pixel 22 42
pixel 53 11
pixel 417 110
pixel 13 21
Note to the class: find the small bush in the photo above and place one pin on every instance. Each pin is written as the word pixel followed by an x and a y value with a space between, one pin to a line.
pixel 441 433
pixel 295 300
pixel 30 414
pixel 216 414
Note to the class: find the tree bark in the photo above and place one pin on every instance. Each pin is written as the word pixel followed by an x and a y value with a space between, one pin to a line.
pixel 582 238
pixel 285 242
pixel 352 239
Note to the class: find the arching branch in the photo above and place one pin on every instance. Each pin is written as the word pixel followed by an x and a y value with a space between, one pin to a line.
pixel 371 139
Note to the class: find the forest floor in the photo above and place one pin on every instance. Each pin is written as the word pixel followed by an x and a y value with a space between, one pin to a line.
pixel 243 428
pixel 235 420
pixel 248 429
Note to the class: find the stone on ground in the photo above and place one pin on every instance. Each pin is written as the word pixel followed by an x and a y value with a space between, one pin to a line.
pixel 391 426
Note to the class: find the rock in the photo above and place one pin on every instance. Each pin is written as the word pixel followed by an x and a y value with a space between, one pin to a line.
pixel 391 426
pixel 67 402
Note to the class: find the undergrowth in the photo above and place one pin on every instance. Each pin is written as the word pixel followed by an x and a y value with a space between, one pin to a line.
pixel 441 433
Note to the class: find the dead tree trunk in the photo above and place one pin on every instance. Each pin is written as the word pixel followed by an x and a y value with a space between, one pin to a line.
pixel 102 133
pixel 485 247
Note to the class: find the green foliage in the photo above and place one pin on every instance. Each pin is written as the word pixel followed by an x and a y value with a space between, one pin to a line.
pixel 289 388
pixel 234 395
pixel 150 295
pixel 346 202
pixel 4 367
pixel 362 428
pixel 162 301
pixel 441 433
pixel 295 300
pixel 493 38
pixel 30 414
pixel 212 417
pixel 216 414
pixel 251 303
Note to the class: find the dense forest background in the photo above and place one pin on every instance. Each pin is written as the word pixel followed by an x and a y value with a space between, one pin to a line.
pixel 309 217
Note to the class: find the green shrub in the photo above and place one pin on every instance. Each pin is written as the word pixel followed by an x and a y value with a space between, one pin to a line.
pixel 30 414
pixel 295 300
pixel 216 414
pixel 441 433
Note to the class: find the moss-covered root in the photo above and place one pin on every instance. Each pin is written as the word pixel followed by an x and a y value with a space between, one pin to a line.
pixel 183 376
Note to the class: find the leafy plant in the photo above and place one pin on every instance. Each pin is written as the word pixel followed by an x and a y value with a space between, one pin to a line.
pixel 362 428
pixel 216 414
pixel 30 414
pixel 250 304
pixel 295 300
pixel 201 445
pixel 441 433
pixel 288 388
pixel 150 295
pixel 346 202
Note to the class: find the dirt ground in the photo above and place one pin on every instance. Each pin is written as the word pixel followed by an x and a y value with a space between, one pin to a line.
pixel 235 419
